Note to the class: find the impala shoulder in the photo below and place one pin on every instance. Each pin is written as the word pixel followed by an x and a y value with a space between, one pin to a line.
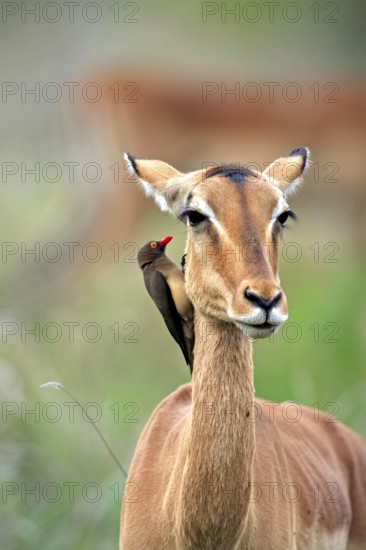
pixel 178 400
pixel 170 411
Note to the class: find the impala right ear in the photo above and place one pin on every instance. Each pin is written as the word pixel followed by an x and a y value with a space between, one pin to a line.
pixel 157 178
pixel 286 172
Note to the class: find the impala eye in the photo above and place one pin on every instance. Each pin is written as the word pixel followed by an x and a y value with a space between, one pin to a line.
pixel 282 218
pixel 194 217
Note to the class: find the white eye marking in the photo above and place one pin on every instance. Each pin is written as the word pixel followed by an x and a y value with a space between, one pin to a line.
pixel 206 210
pixel 280 207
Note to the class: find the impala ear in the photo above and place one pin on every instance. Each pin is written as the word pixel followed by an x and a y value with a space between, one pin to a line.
pixel 157 178
pixel 286 172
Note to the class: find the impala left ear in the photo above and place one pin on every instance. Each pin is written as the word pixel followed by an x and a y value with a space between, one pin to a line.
pixel 157 178
pixel 286 172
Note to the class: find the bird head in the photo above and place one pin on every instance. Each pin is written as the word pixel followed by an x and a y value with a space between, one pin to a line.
pixel 151 250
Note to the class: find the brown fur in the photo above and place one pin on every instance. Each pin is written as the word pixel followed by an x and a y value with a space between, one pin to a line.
pixel 214 468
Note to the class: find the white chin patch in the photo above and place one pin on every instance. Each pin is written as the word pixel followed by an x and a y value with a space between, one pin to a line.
pixel 276 317
pixel 252 332
pixel 259 316
pixel 251 324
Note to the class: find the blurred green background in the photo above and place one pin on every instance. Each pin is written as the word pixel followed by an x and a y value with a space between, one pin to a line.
pixel 60 487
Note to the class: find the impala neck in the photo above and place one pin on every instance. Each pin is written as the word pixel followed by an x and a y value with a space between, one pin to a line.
pixel 219 442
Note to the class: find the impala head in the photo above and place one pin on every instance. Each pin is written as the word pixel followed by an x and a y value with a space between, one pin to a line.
pixel 234 218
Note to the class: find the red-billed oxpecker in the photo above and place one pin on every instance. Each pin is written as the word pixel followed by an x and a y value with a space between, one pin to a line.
pixel 165 284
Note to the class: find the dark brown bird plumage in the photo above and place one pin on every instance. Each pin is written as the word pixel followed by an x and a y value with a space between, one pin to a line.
pixel 164 282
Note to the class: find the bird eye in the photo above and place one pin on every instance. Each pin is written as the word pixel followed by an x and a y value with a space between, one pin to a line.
pixel 153 244
pixel 282 218
pixel 194 217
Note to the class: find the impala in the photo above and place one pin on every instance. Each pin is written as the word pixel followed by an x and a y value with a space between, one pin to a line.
pixel 216 468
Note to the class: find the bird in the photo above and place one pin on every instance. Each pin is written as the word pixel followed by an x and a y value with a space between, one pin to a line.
pixel 164 282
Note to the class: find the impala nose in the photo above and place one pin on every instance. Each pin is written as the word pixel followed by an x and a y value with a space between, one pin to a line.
pixel 265 304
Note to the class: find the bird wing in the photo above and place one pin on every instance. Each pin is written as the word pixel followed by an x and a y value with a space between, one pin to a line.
pixel 160 292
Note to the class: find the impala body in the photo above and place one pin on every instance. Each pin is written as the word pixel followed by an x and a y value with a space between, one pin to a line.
pixel 216 468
